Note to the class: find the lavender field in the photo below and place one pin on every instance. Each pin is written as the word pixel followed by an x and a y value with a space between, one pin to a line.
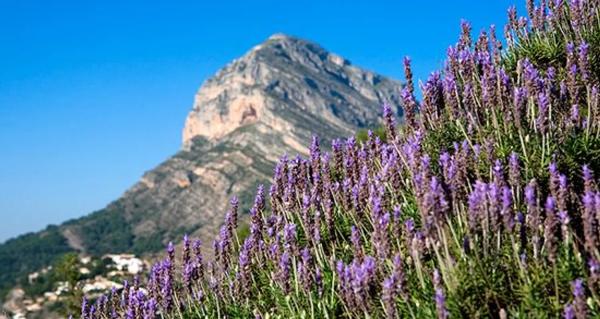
pixel 483 202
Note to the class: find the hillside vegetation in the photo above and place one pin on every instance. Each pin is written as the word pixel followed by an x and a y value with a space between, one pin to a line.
pixel 483 204
pixel 42 250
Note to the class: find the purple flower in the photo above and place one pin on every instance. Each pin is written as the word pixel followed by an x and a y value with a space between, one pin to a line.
pixel 390 122
pixel 594 268
pixel 198 262
pixel 451 98
pixel 289 236
pixel 465 35
pixel 572 71
pixel 507 211
pixel 92 312
pixel 244 260
pixel 543 109
pixel 477 208
pixel 476 151
pixel 563 193
pixel 533 215
pixel 305 270
pixel 589 221
pixel 584 60
pixel 186 249
pixel 410 225
pixel 550 228
pixel 345 283
pixel 554 176
pixel 233 218
pixel 530 195
pixel 306 213
pixel 166 283
pixel 410 106
pixel 356 283
pixel 579 303
pixel 150 309
pixel 498 173
pixel 363 275
pixel 575 117
pixel 319 281
pixel 283 274
pixel 435 200
pixel 433 98
pixel 380 239
pixel 188 275
pixel 315 149
pixel 522 230
pixel 588 179
pixel 84 308
pixel 440 299
pixel 388 296
pixel 512 18
pixel 398 275
pixel 533 81
pixel 338 154
pixel 329 210
pixel 576 12
pixel 440 304
pixel 408 75
pixel 356 243
pixel 519 103
pixel 514 170
pixel 569 312
pixel 171 252
pixel 257 210
pixel 223 247
pixel 564 217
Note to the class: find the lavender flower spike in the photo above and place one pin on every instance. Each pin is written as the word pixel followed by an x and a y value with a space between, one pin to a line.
pixel 390 122
pixel 440 298
pixel 579 303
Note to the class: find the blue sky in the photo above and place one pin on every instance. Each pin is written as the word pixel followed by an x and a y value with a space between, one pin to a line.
pixel 94 93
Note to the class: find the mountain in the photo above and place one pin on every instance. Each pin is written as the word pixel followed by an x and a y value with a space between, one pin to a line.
pixel 263 105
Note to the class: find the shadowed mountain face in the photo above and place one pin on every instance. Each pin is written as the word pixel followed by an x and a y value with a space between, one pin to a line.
pixel 263 105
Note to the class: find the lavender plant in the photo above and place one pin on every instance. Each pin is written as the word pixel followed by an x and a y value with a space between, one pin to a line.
pixel 484 203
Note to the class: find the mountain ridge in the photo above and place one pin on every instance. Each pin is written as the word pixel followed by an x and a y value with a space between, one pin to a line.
pixel 257 108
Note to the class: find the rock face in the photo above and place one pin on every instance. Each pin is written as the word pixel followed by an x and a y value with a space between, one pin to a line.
pixel 263 105
pixel 285 82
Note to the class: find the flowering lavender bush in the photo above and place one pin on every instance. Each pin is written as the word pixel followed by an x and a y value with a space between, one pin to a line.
pixel 482 204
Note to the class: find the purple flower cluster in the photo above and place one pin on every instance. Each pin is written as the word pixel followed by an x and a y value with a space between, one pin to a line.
pixel 475 177
pixel 357 281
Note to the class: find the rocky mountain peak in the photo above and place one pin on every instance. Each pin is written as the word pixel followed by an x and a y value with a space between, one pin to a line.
pixel 279 36
pixel 286 74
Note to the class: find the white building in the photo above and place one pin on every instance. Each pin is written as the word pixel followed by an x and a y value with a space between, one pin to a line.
pixel 127 262
pixel 100 284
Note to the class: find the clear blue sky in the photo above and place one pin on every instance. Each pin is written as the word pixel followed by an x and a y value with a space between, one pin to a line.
pixel 94 93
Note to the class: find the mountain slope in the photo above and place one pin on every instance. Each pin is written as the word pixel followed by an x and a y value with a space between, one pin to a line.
pixel 257 108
